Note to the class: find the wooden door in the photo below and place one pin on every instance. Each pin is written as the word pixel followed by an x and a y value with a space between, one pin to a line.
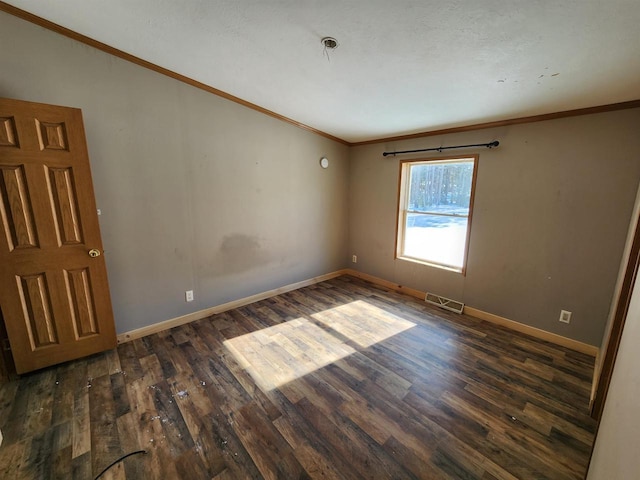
pixel 53 294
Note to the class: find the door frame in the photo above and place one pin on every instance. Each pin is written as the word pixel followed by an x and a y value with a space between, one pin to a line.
pixel 617 325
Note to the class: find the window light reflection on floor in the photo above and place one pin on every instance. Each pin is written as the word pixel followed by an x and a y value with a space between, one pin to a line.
pixel 363 323
pixel 277 355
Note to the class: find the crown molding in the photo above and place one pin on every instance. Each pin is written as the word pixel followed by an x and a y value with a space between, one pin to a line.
pixel 42 22
pixel 502 123
pixel 54 27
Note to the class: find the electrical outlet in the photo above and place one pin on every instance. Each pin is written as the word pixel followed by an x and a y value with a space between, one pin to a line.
pixel 354 259
pixel 565 316
pixel 188 296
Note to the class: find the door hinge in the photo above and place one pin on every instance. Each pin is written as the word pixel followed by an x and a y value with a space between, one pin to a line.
pixel 6 346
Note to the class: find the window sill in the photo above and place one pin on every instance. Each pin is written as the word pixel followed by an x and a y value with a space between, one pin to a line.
pixel 431 264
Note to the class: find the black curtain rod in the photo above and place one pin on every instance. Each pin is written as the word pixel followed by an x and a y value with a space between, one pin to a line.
pixel 495 143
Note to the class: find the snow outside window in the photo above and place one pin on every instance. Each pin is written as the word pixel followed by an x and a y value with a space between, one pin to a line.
pixel 435 206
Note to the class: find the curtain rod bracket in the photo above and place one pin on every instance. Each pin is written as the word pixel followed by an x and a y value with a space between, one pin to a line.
pixel 493 144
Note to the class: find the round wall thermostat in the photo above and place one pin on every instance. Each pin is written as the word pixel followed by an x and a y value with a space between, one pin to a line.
pixel 324 162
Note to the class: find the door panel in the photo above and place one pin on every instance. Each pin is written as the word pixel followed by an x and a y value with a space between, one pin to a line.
pixel 52 136
pixel 16 211
pixel 80 297
pixel 54 296
pixel 34 294
pixel 7 132
pixel 64 201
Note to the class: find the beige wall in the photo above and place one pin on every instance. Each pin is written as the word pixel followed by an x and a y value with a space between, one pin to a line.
pixel 552 209
pixel 199 193
pixel 196 192
pixel 615 454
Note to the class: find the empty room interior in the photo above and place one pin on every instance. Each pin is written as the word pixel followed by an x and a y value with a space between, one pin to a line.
pixel 333 240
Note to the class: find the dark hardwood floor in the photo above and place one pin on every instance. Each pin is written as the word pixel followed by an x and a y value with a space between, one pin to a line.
pixel 340 380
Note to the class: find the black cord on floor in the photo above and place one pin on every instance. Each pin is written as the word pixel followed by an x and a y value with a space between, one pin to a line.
pixel 118 460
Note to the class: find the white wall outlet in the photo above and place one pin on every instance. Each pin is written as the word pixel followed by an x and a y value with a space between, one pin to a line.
pixel 354 259
pixel 188 296
pixel 565 316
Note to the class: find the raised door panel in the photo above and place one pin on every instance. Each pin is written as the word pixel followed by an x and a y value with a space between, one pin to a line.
pixel 52 135
pixel 8 136
pixel 35 297
pixel 16 209
pixel 64 205
pixel 80 295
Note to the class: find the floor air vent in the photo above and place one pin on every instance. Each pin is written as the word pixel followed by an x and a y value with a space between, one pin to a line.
pixel 445 303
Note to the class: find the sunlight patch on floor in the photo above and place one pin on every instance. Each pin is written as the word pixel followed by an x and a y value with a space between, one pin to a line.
pixel 277 355
pixel 363 323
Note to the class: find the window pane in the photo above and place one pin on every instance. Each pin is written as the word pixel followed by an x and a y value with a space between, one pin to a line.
pixel 441 188
pixel 435 211
pixel 435 238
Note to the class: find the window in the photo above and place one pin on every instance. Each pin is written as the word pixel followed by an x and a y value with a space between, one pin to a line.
pixel 434 211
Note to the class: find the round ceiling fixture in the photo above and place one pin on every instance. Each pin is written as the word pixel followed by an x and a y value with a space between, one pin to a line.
pixel 324 162
pixel 329 43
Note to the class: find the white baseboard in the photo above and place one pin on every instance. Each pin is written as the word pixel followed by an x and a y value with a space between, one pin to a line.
pixel 175 322
pixel 489 317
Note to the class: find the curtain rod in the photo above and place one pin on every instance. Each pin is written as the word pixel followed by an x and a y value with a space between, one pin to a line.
pixel 495 143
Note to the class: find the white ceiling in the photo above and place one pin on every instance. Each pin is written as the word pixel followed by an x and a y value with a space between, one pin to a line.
pixel 401 67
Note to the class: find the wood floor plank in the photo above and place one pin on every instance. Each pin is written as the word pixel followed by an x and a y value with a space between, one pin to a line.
pixel 81 431
pixel 339 380
pixel 105 443
pixel 97 365
pixel 152 369
pixel 39 411
pixel 314 462
pixel 128 434
pixel 356 446
pixel 561 424
pixel 268 449
pixel 61 466
pixel 409 427
pixel 8 394
pixel 167 397
pixel 113 362
pixel 38 456
pixel 12 459
pixel 302 437
pixel 150 430
pixel 129 360
pixel 496 467
pixel 117 472
pixel 190 466
pixel 63 395
pixel 81 467
pixel 415 462
pixel 209 440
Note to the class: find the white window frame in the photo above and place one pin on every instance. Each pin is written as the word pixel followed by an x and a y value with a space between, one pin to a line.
pixel 403 211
